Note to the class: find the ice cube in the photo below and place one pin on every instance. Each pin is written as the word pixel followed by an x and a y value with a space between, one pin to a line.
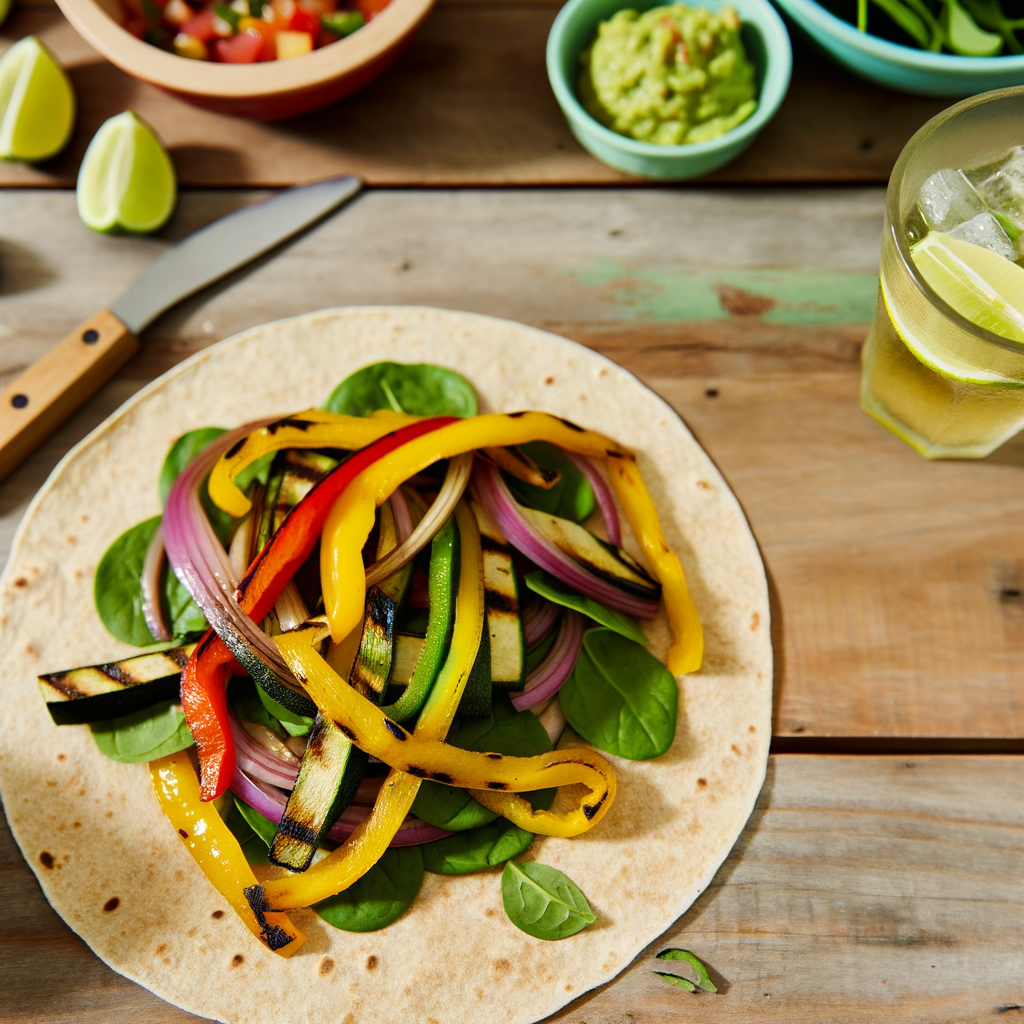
pixel 1003 190
pixel 947 199
pixel 979 172
pixel 984 230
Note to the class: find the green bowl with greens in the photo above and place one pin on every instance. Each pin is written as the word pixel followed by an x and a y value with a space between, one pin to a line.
pixel 888 62
pixel 765 41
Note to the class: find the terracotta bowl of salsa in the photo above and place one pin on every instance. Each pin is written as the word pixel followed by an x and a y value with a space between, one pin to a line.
pixel 262 87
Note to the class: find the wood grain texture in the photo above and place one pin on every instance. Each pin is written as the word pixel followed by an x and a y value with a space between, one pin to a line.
pixel 862 889
pixel 49 391
pixel 897 582
pixel 467 104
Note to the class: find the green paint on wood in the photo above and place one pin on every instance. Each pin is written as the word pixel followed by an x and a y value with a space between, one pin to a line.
pixel 796 295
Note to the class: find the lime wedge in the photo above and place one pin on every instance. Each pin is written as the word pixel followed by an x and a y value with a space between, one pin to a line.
pixel 980 285
pixel 127 180
pixel 37 103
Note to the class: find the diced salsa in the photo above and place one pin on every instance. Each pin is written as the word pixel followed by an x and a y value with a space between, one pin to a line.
pixel 246 31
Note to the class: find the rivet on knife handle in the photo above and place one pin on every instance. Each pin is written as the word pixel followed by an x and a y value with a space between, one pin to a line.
pixel 49 391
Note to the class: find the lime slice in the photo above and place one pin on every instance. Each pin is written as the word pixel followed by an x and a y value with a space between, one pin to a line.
pixel 980 285
pixel 37 103
pixel 127 180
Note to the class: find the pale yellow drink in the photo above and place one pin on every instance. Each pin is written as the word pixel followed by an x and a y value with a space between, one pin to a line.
pixel 948 387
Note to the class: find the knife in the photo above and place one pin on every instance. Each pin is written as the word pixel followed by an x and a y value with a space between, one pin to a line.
pixel 49 391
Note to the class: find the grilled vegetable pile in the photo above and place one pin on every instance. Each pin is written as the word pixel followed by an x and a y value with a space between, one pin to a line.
pixel 378 619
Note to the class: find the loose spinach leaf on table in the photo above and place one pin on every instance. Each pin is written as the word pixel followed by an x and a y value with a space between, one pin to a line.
pixel 118 592
pixel 542 901
pixel 479 848
pixel 421 389
pixel 675 979
pixel 381 896
pixel 503 731
pixel 571 498
pixel 620 697
pixel 143 735
pixel 703 978
pixel 547 586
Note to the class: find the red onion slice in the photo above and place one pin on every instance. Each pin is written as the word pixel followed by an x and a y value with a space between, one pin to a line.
pixel 538 627
pixel 403 517
pixel 603 495
pixel 525 537
pixel 259 762
pixel 553 720
pixel 201 563
pixel 547 678
pixel 271 802
pixel 152 609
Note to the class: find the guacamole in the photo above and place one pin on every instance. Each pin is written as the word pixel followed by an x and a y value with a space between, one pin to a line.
pixel 671 75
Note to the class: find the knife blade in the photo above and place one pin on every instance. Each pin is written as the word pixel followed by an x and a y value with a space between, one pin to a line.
pixel 49 391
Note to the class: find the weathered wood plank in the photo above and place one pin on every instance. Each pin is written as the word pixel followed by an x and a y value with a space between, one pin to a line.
pixel 467 104
pixel 897 582
pixel 862 889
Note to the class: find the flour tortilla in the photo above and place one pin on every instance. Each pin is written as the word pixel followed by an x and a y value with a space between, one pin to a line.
pixel 92 830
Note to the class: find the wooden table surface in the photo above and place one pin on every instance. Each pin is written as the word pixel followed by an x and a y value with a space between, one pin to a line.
pixel 881 876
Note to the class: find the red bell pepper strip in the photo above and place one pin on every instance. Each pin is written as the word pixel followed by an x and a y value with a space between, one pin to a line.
pixel 204 681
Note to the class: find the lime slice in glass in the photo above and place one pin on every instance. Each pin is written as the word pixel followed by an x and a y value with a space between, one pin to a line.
pixel 37 103
pixel 980 285
pixel 126 182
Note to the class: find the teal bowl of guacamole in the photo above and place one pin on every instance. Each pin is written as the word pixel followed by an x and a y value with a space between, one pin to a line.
pixel 668 91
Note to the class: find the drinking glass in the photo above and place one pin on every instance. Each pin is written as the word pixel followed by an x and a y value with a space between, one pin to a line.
pixel 944 385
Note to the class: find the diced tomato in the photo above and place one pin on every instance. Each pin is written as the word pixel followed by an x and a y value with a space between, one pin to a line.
pixel 201 26
pixel 267 31
pixel 369 9
pixel 303 21
pixel 325 38
pixel 138 27
pixel 245 48
pixel 283 10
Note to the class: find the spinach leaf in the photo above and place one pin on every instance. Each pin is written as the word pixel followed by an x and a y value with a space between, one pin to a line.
pixel 620 697
pixel 263 827
pixel 418 388
pixel 542 901
pixel 381 896
pixel 292 723
pixel 675 979
pixel 546 585
pixel 571 498
pixel 503 731
pixel 184 450
pixel 143 735
pixel 249 709
pixel 703 978
pixel 253 847
pixel 479 848
pixel 117 591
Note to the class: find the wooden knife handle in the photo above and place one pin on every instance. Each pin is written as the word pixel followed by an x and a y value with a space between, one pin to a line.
pixel 48 392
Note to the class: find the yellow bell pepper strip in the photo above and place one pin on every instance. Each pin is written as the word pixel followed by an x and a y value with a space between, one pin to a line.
pixel 352 517
pixel 345 865
pixel 206 674
pixel 370 729
pixel 313 428
pixel 687 650
pixel 216 850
